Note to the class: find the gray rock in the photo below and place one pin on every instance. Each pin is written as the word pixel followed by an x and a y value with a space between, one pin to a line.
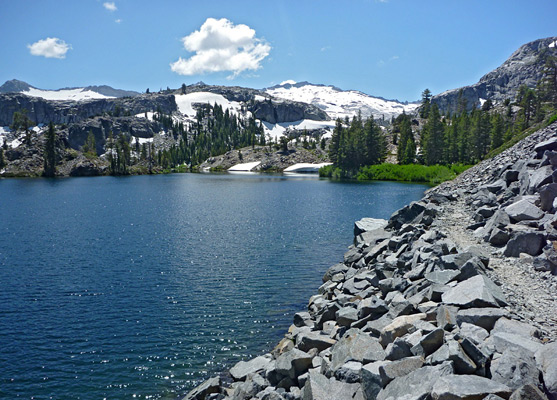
pixel 475 333
pixel 368 224
pixel 371 238
pixel 319 387
pixel 483 317
pixel 476 355
pixel 429 343
pixel 313 340
pixel 510 176
pixel 248 389
pixel 540 176
pixel 546 359
pixel 548 193
pixel 462 363
pixel 346 316
pixel 398 349
pixel 528 392
pixel 399 326
pixel 549 144
pixel 302 319
pixel 441 276
pixel 399 368
pixel 499 220
pixel 356 345
pixel 525 242
pixel 293 363
pixel 243 368
pixel 446 317
pixel 371 306
pixel 352 255
pixel 498 237
pixel 349 372
pixel 467 387
pixel 478 291
pixel 371 379
pixel 523 210
pixel 502 341
pixel 335 269
pixel 417 385
pixel 211 385
pixel 514 368
pixel 405 215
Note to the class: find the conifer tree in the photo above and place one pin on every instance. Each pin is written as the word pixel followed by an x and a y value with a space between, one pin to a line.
pixel 426 103
pixel 2 161
pixel 50 152
pixel 406 151
pixel 432 138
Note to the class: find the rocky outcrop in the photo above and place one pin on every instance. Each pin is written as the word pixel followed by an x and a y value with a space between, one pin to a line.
pixel 424 308
pixel 524 67
pixel 43 111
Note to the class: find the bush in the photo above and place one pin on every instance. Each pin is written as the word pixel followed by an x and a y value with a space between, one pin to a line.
pixel 411 172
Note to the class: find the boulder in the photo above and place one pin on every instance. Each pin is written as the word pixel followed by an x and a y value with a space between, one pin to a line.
pixel 319 387
pixel 549 144
pixel 405 215
pixel 313 340
pixel 371 306
pixel 417 385
pixel 293 363
pixel 540 176
pixel 398 349
pixel 462 363
pixel 483 317
pixel 346 316
pixel 399 326
pixel 475 333
pixel 349 372
pixel 368 224
pixel 246 390
pixel 525 242
pixel 339 268
pixel 441 276
pixel 514 368
pixel 467 387
pixel 528 392
pixel 356 345
pixel 478 291
pixel 243 368
pixel 302 319
pixel 211 385
pixel 371 379
pixel 523 210
pixel 399 368
pixel 546 359
pixel 548 193
pixel 429 343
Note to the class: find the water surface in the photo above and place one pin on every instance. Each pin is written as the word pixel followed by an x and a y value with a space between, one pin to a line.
pixel 141 287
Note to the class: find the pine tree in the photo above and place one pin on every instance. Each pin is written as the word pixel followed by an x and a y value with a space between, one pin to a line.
pixel 426 103
pixel 406 151
pixel 496 131
pixel 2 161
pixel 432 138
pixel 334 146
pixel 50 152
pixel 90 148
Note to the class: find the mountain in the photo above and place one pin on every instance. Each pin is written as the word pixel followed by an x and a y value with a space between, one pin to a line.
pixel 73 93
pixel 524 67
pixel 340 103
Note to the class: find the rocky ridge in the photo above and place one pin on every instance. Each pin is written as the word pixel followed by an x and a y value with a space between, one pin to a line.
pixel 452 298
pixel 524 67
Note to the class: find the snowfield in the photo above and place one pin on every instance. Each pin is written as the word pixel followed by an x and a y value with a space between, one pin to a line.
pixel 246 167
pixel 340 103
pixel 185 102
pixel 77 94
pixel 275 131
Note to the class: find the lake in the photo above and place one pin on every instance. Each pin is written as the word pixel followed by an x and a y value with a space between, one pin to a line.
pixel 144 286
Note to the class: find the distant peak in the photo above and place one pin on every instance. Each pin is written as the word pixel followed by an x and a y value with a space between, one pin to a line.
pixel 15 85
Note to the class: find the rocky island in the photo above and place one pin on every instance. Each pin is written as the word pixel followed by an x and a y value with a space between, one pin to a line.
pixel 452 298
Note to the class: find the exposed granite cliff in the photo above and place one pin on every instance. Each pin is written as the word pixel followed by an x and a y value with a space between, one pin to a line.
pixel 427 305
pixel 524 67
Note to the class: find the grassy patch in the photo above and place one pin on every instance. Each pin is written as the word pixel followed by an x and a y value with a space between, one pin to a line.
pixel 434 174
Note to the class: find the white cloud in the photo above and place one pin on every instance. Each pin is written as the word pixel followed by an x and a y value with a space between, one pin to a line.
pixel 110 6
pixel 325 48
pixel 219 45
pixel 49 48
pixel 118 20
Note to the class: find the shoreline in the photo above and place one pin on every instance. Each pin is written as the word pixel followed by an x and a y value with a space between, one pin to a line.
pixel 448 297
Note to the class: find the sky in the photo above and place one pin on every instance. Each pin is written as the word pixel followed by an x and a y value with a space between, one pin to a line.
pixel 389 48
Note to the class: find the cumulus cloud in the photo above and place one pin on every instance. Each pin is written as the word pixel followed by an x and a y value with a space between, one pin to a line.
pixel 110 6
pixel 219 45
pixel 49 48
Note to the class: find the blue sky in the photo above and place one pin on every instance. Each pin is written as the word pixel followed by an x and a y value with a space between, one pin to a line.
pixel 392 48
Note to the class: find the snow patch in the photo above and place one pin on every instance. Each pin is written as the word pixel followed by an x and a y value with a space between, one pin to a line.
pixel 245 166
pixel 185 102
pixel 342 103
pixel 275 131
pixel 77 94
pixel 306 167
pixel 288 82
pixel 553 44
pixel 148 113
pixel 482 101
pixel 141 140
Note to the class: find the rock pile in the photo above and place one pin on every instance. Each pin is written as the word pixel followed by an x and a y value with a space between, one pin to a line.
pixel 414 310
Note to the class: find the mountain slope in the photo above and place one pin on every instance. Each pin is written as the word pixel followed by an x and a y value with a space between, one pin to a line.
pixel 523 67
pixel 73 94
pixel 340 103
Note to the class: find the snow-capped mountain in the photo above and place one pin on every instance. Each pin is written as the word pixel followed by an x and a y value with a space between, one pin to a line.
pixel 340 103
pixel 75 94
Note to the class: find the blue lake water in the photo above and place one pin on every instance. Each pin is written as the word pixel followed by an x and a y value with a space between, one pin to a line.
pixel 141 287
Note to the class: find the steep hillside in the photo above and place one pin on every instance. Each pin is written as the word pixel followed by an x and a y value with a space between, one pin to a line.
pixel 524 67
